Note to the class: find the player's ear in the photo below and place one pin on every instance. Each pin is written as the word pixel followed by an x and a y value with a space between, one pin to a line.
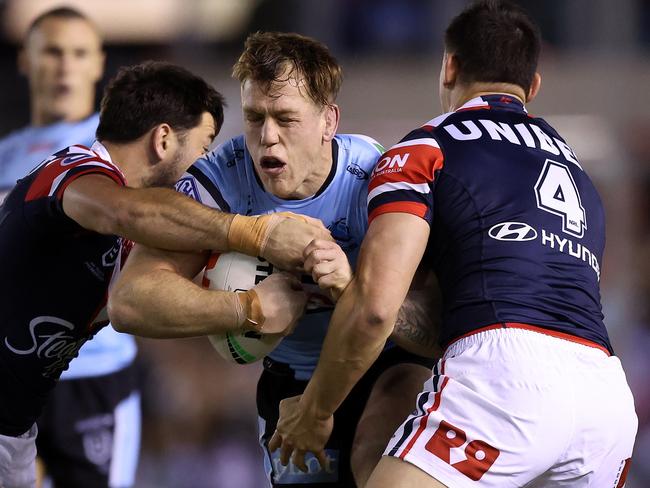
pixel 161 141
pixel 22 62
pixel 99 64
pixel 534 87
pixel 332 116
pixel 450 70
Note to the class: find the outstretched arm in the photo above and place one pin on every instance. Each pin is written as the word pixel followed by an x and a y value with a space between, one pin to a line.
pixel 362 321
pixel 163 218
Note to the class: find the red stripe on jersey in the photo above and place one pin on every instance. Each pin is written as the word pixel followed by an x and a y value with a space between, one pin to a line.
pixel 95 170
pixel 212 262
pixel 533 328
pixel 482 107
pixel 413 208
pixel 420 162
pixel 425 419
pixel 42 185
pixel 626 469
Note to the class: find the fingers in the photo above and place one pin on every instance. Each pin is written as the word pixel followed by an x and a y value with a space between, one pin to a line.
pixel 299 460
pixel 322 458
pixel 321 250
pixel 275 442
pixel 298 457
pixel 285 453
pixel 305 218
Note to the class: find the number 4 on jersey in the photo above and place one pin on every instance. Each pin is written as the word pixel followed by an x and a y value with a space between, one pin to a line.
pixel 557 193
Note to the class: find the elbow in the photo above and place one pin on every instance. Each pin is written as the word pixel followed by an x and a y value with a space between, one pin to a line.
pixel 377 319
pixel 123 316
pixel 116 219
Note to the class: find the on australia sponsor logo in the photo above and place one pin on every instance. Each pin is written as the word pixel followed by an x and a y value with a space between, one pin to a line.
pixel 187 185
pixel 391 164
pixel 512 231
pixel 51 341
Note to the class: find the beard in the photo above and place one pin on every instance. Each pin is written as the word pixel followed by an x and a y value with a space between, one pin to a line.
pixel 166 174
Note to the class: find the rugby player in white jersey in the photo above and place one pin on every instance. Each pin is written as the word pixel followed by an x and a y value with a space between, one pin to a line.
pixel 290 158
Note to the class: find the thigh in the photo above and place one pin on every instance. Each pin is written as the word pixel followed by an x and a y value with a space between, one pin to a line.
pixel 600 452
pixel 396 473
pixel 391 400
pixel 87 424
pixel 18 460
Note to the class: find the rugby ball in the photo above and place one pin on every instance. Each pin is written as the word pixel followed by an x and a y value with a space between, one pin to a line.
pixel 233 271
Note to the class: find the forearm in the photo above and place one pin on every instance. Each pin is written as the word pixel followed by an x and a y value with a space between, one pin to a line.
pixel 163 218
pixel 355 338
pixel 162 304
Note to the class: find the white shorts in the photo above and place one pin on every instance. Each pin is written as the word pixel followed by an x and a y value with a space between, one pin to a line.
pixel 18 460
pixel 510 407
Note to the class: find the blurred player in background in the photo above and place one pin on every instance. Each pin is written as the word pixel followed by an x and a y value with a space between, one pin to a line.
pixel 289 159
pixel 59 243
pixel 89 433
pixel 528 392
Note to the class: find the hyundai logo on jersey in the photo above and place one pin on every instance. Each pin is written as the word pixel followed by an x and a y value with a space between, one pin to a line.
pixel 512 231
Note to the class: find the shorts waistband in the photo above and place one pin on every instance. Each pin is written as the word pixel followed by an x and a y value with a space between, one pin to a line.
pixel 532 328
pixel 277 368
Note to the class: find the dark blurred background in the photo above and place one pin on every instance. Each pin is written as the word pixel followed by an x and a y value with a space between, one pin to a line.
pixel 200 427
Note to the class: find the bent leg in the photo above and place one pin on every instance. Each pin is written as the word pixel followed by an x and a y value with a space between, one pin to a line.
pixel 392 399
pixel 396 473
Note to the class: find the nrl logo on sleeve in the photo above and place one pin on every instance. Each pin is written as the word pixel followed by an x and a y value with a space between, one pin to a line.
pixel 187 185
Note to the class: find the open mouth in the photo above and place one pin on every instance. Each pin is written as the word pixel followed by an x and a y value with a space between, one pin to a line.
pixel 62 90
pixel 271 165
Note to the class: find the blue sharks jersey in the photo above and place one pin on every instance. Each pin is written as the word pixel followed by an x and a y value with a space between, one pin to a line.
pixel 517 227
pixel 23 150
pixel 20 152
pixel 226 179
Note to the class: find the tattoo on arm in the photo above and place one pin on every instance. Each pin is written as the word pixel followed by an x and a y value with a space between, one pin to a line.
pixel 418 319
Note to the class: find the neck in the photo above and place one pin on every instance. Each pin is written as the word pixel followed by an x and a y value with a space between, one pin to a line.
pixel 475 90
pixel 40 115
pixel 131 158
pixel 317 178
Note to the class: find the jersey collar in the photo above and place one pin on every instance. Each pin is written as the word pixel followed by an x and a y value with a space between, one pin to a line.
pixel 496 101
pixel 99 149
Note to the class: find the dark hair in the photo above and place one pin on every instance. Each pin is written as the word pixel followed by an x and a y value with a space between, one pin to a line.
pixel 267 56
pixel 57 13
pixel 142 96
pixel 494 41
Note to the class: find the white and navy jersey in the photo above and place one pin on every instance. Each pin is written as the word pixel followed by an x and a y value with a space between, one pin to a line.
pixel 517 227
pixel 20 152
pixel 226 179
pixel 54 281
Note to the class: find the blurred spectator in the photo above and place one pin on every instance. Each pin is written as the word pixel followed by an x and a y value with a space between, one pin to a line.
pixel 89 432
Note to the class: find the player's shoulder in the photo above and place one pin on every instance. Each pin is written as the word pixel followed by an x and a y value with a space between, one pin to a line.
pixel 358 152
pixel 360 144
